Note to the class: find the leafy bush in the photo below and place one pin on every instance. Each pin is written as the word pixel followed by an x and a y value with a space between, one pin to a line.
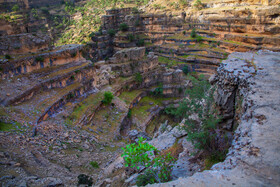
pixel 138 78
pixel 129 113
pixel 94 164
pixel 8 56
pixel 186 70
pixel 123 27
pixel 108 97
pixel 131 37
pixel 39 59
pixel 140 154
pixel 183 2
pixel 92 34
pixel 135 10
pixel 34 13
pixel 184 32
pixel 145 179
pixel 158 91
pixel 112 32
pixel 84 179
pixel 198 5
pixel 140 42
pixel 15 8
pixel 193 33
pixel 199 39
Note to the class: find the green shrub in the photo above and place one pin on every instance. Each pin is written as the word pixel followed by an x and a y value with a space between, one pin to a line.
pixel 199 39
pixel 123 27
pixel 15 8
pixel 135 10
pixel 138 78
pixel 84 179
pixel 92 34
pixel 8 56
pixel 131 37
pixel 198 5
pixel 146 178
pixel 186 70
pixel 112 32
pixel 39 59
pixel 129 113
pixel 158 91
pixel 140 154
pixel 183 2
pixel 140 42
pixel 184 32
pixel 193 33
pixel 94 164
pixel 108 97
pixel 34 13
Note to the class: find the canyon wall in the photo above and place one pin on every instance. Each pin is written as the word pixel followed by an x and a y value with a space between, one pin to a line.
pixel 253 159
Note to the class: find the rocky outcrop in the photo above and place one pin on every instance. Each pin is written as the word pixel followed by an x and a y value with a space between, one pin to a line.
pixel 59 56
pixel 131 61
pixel 24 43
pixel 253 159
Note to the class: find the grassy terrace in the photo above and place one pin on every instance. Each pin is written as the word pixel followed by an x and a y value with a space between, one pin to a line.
pixel 32 109
pixel 180 37
pixel 87 106
pixel 140 111
pixel 168 62
pixel 128 97
pixel 65 71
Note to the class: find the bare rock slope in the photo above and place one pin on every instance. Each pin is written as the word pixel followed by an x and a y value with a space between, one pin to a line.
pixel 254 158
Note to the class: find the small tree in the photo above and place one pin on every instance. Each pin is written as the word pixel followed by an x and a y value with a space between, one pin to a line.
pixel 123 27
pixel 143 155
pixel 15 8
pixel 198 5
pixel 193 33
pixel 108 97
pixel 112 32
pixel 138 78
pixel 186 70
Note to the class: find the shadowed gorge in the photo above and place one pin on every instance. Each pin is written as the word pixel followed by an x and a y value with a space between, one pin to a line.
pixel 139 92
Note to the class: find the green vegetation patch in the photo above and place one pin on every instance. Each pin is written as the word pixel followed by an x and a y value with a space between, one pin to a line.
pixel 9 126
pixel 128 97
pixel 87 106
pixel 168 62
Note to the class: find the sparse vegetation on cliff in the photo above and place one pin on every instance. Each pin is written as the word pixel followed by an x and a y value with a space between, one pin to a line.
pixel 201 117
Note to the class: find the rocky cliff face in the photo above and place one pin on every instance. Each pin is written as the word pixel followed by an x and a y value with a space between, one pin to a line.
pixel 253 159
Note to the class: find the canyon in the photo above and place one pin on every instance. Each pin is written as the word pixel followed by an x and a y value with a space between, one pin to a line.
pixel 56 126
